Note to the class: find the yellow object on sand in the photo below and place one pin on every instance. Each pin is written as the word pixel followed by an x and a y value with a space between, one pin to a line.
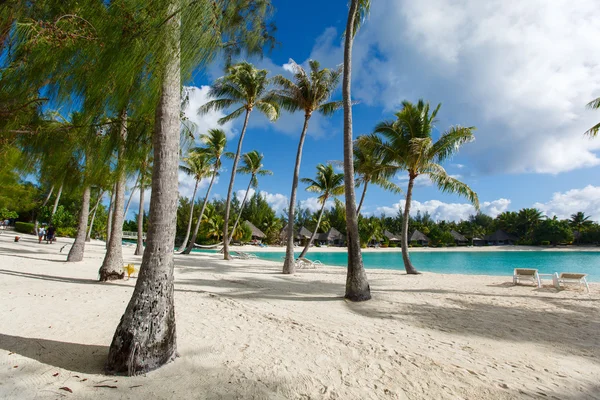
pixel 130 269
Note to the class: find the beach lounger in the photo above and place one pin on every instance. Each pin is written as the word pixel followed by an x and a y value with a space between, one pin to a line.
pixel 528 274
pixel 306 263
pixel 570 277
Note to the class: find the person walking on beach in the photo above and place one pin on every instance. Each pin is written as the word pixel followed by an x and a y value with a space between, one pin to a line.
pixel 50 234
pixel 41 233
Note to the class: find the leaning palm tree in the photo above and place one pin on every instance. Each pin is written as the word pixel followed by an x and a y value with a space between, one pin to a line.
pixel 329 184
pixel 594 130
pixel 357 285
pixel 197 165
pixel 370 168
pixel 252 165
pixel 407 145
pixel 310 93
pixel 247 87
pixel 214 146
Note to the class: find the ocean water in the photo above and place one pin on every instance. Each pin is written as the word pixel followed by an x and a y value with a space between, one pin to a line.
pixel 464 262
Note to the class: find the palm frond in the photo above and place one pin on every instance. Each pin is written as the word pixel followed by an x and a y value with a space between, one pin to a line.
pixel 235 114
pixel 450 141
pixel 593 131
pixel 594 104
pixel 269 108
pixel 330 108
pixel 448 184
pixel 216 105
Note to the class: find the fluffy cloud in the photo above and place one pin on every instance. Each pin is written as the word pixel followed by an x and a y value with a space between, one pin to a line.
pixel 196 97
pixel 187 183
pixel 313 205
pixel 277 201
pixel 564 204
pixel 446 211
pixel 521 72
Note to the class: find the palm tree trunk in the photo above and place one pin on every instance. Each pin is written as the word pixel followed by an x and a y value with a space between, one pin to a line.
pixel 145 338
pixel 357 286
pixel 76 252
pixel 43 205
pixel 139 248
pixel 111 208
pixel 112 266
pixel 314 234
pixel 237 221
pixel 189 228
pixel 289 266
pixel 362 198
pixel 88 237
pixel 190 246
pixel 405 221
pixel 230 190
pixel 56 202
pixel 131 196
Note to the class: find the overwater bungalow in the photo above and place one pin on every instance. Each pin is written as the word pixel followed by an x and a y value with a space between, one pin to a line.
pixel 420 238
pixel 500 238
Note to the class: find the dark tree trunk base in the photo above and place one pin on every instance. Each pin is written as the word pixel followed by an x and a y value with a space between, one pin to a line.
pixel 413 272
pixel 358 297
pixel 111 276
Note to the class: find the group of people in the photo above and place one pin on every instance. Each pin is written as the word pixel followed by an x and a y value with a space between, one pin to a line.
pixel 49 235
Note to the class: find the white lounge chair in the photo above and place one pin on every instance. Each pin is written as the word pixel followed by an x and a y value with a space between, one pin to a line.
pixel 570 277
pixel 306 263
pixel 528 274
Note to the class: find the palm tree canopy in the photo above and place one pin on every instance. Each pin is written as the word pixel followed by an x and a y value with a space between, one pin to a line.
pixel 370 167
pixel 252 165
pixel 594 105
pixel 580 221
pixel 197 164
pixel 245 87
pixel 310 91
pixel 406 144
pixel 214 143
pixel 328 182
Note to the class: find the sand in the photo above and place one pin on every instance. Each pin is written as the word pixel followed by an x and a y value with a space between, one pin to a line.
pixel 245 331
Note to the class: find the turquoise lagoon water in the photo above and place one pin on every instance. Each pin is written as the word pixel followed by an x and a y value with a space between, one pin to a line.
pixel 464 262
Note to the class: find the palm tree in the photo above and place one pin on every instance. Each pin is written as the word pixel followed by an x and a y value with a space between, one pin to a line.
pixel 246 87
pixel 252 165
pixel 580 222
pixel 527 220
pixel 310 93
pixel 508 221
pixel 594 105
pixel 328 183
pixel 144 180
pixel 214 146
pixel 357 285
pixel 408 146
pixel 197 165
pixel 369 165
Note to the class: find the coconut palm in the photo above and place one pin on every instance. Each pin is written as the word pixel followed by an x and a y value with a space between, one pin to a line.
pixel 144 181
pixel 329 184
pixel 310 92
pixel 252 165
pixel 580 222
pixel 214 146
pixel 247 87
pixel 527 220
pixel 407 144
pixel 198 165
pixel 357 285
pixel 370 168
pixel 594 105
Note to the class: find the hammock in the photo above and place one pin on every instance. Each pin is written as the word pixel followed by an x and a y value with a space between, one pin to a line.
pixel 212 246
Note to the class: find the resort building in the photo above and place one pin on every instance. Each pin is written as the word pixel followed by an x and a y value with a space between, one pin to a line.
pixel 500 238
pixel 257 234
pixel 419 238
pixel 332 237
pixel 392 237
pixel 300 237
pixel 459 239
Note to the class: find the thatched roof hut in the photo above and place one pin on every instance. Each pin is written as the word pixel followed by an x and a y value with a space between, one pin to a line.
pixel 419 237
pixel 331 236
pixel 458 238
pixel 392 237
pixel 501 237
pixel 256 233
pixel 304 233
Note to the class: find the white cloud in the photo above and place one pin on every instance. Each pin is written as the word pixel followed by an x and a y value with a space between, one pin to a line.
pixel 239 195
pixel 563 205
pixel 422 180
pixel 197 97
pixel 446 211
pixel 187 183
pixel 520 71
pixel 313 205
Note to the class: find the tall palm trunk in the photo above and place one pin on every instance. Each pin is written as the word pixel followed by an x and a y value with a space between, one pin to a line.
pixel 56 202
pixel 43 205
pixel 405 221
pixel 357 286
pixel 48 197
pixel 76 252
pixel 230 190
pixel 190 246
pixel 112 266
pixel 139 248
pixel 111 208
pixel 145 338
pixel 189 228
pixel 314 234
pixel 88 237
pixel 362 198
pixel 289 266
pixel 237 221
pixel 130 197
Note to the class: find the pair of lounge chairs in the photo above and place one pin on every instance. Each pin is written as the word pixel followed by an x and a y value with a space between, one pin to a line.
pixel 564 277
pixel 243 255
pixel 306 263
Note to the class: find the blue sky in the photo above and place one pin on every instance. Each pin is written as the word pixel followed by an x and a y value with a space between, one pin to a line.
pixel 521 72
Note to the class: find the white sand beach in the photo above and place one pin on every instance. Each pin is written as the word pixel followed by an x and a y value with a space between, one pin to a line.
pixel 245 331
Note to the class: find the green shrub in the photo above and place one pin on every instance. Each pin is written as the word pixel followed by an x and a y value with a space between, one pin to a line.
pixel 545 243
pixel 66 232
pixel 451 245
pixel 416 245
pixel 6 214
pixel 393 244
pixel 24 227
pixel 385 245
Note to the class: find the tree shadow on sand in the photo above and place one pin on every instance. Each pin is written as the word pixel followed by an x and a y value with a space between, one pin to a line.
pixel 76 357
